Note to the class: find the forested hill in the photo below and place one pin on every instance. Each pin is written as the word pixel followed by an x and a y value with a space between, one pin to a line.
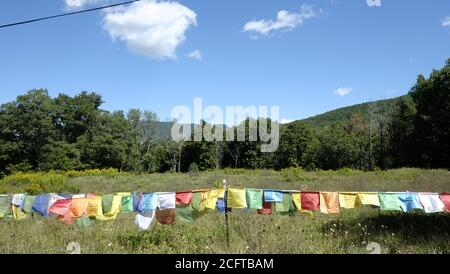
pixel 341 115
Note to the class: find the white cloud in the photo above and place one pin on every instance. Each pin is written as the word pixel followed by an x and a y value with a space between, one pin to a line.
pixel 342 91
pixel 79 3
pixel 286 121
pixel 196 54
pixel 285 21
pixel 446 22
pixel 149 27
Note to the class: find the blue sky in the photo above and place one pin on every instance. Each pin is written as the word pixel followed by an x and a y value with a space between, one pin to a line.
pixel 314 57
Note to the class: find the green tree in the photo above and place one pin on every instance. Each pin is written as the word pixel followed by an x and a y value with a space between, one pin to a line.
pixel 432 126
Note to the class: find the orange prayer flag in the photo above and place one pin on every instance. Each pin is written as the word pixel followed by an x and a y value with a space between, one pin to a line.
pixel 329 202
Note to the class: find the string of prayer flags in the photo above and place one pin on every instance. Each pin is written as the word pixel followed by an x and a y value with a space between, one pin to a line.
pixel 236 198
pixel 310 201
pixel 169 207
pixel 431 202
pixel 329 202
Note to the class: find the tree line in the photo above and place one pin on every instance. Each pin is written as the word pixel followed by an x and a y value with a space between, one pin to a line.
pixel 38 132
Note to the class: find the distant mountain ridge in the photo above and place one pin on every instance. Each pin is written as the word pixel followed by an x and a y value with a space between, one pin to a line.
pixel 340 115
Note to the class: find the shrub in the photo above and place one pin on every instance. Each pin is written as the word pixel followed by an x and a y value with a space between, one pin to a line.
pixel 36 183
pixel 193 168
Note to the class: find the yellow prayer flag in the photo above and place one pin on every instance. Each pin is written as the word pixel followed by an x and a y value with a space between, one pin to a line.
pixel 204 200
pixel 348 199
pixel 212 197
pixel 297 201
pixel 369 198
pixel 94 206
pixel 236 198
pixel 115 209
pixel 18 214
pixel 106 217
pixel 116 202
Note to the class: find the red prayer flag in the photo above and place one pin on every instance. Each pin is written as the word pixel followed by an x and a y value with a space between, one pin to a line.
pixel 310 201
pixel 61 207
pixel 183 198
pixel 445 198
pixel 266 209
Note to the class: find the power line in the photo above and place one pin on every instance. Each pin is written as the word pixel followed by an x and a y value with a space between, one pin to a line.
pixel 66 14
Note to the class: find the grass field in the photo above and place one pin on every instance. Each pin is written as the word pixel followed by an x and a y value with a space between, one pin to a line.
pixel 348 232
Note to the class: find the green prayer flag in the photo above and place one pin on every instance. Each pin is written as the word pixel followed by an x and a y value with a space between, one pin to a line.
pixel 389 201
pixel 107 201
pixel 28 203
pixel 5 205
pixel 84 221
pixel 286 205
pixel 196 200
pixel 127 203
pixel 185 214
pixel 254 198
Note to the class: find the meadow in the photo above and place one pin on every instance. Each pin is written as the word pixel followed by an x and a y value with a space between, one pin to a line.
pixel 351 231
